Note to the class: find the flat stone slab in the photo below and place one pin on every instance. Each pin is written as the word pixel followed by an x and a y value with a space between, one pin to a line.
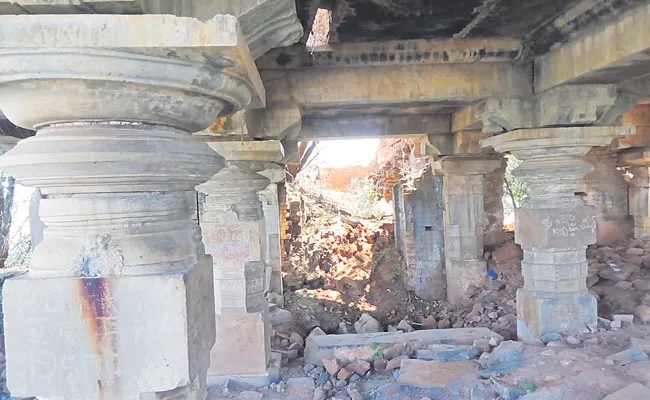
pixel 635 391
pixel 642 343
pixel 633 354
pixel 434 374
pixel 447 352
pixel 369 346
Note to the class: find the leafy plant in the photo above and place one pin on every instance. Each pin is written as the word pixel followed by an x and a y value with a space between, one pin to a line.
pixel 515 191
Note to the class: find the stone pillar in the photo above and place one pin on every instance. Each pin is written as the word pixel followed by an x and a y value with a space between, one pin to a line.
pixel 271 207
pixel 637 160
pixel 554 226
pixel 420 236
pixel 607 192
pixel 464 217
pixel 234 234
pixel 493 233
pixel 118 302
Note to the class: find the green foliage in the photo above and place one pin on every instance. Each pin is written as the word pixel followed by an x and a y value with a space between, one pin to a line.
pixel 379 353
pixel 366 202
pixel 519 189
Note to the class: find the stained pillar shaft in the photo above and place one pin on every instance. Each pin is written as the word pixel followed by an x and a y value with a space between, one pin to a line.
pixel 464 219
pixel 493 233
pixel 233 225
pixel 637 160
pixel 554 226
pixel 271 207
pixel 118 302
pixel 420 235
pixel 607 191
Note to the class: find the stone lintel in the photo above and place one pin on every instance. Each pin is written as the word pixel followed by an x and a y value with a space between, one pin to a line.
pixel 580 139
pixel 566 105
pixel 395 52
pixel 592 57
pixel 494 115
pixel 277 121
pixel 344 127
pixel 466 164
pixel 440 145
pixel 264 151
pixel 468 142
pixel 390 86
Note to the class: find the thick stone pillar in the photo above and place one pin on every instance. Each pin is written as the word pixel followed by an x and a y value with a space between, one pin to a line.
pixel 637 160
pixel 420 236
pixel 464 218
pixel 271 207
pixel 554 226
pixel 607 192
pixel 118 302
pixel 493 233
pixel 234 234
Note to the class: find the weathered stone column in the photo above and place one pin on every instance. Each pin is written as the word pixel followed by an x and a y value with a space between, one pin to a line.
pixel 493 233
pixel 118 302
pixel 554 226
pixel 420 236
pixel 234 234
pixel 607 192
pixel 464 217
pixel 271 208
pixel 638 162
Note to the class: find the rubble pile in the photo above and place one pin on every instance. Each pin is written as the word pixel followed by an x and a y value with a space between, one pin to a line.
pixel 465 363
pixel 619 276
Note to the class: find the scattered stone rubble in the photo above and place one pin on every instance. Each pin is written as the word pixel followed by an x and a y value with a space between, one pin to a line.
pixel 463 363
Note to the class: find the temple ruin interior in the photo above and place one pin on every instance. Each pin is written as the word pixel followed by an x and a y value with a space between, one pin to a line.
pixel 170 229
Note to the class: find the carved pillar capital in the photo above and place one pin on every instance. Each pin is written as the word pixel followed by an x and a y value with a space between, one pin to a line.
pixel 235 187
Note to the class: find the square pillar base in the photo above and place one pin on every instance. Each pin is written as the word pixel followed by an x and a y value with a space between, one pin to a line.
pixel 116 337
pixel 461 274
pixel 271 375
pixel 241 350
pixel 564 312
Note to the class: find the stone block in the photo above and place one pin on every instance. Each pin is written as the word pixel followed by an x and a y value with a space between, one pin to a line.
pixel 95 338
pixel 553 312
pixel 434 374
pixel 242 347
pixel 507 351
pixel 372 345
pixel 461 274
pixel 642 343
pixel 640 371
pixel 445 352
pixel 555 228
pixel 635 391
pixel 633 354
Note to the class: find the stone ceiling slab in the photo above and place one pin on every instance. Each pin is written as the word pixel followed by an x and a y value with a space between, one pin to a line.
pixel 614 53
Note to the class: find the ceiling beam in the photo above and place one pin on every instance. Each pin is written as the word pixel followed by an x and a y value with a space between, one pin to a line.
pixel 614 53
pixel 416 85
pixel 356 127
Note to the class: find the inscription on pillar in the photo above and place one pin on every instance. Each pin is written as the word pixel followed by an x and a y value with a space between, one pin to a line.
pixel 555 227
